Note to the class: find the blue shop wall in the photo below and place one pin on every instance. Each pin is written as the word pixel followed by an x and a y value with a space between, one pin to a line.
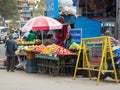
pixel 90 28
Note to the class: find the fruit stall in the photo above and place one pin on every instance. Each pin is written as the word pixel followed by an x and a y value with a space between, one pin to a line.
pixel 52 59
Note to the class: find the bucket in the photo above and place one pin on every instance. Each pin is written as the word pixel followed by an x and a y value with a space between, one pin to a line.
pixel 32 69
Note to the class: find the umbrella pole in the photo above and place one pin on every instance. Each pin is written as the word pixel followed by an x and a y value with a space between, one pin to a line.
pixel 42 35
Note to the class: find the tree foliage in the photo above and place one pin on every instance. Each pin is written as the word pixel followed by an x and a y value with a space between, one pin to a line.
pixel 8 9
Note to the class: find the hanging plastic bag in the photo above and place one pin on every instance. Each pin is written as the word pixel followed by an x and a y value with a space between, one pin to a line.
pixel 65 2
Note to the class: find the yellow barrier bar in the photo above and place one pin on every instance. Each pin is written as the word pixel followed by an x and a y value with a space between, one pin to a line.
pixel 88 64
pixel 113 64
pixel 101 63
pixel 77 62
pixel 95 70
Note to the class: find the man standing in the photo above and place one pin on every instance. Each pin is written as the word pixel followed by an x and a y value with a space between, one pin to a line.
pixel 10 53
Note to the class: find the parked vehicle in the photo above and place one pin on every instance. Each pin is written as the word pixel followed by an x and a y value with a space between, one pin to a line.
pixel 3 33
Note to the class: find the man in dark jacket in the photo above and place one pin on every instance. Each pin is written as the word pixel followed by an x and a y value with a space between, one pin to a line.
pixel 10 53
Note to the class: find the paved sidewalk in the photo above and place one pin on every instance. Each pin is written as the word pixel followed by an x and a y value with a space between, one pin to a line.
pixel 20 80
pixel 2 63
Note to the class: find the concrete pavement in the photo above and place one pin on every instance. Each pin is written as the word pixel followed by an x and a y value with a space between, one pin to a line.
pixel 2 55
pixel 20 80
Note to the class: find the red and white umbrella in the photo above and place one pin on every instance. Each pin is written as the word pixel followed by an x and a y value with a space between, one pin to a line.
pixel 41 23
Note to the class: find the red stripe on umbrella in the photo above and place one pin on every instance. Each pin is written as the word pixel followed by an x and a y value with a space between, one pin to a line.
pixel 42 23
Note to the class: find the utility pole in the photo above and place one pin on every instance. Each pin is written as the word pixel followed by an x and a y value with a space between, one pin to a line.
pixel 118 18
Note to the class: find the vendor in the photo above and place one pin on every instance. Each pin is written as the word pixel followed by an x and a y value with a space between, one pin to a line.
pixel 59 37
pixel 68 41
pixel 31 36
pixel 50 39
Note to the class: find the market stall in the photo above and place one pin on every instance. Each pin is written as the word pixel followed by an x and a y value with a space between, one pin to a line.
pixel 52 59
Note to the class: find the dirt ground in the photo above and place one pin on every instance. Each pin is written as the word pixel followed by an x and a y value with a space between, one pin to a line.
pixel 20 80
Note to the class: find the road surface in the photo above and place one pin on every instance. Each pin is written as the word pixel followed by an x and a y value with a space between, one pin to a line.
pixel 2 51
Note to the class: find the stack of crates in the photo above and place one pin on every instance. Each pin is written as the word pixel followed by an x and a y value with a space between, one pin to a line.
pixel 32 66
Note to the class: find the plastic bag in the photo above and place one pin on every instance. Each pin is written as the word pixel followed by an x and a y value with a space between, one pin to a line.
pixel 65 2
pixel 66 7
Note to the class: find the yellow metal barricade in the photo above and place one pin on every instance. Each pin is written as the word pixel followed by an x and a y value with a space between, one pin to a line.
pixel 100 46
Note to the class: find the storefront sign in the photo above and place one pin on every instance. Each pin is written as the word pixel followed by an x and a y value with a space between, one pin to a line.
pixel 52 8
pixel 76 34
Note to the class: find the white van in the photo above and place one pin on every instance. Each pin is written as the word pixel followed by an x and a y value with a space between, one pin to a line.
pixel 3 33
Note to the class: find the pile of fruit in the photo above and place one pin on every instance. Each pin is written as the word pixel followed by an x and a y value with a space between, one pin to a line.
pixel 62 51
pixel 29 48
pixel 49 49
pixel 36 41
pixel 52 50
pixel 18 40
pixel 19 49
pixel 26 43
pixel 38 48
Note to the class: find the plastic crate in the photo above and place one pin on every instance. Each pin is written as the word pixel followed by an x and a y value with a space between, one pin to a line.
pixel 32 62
pixel 32 69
